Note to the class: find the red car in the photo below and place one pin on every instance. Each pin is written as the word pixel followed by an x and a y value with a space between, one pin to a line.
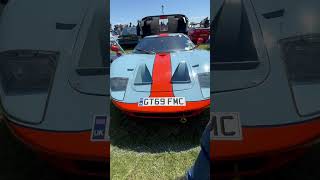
pixel 196 33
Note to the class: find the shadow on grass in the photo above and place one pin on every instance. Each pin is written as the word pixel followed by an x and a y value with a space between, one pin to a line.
pixel 155 135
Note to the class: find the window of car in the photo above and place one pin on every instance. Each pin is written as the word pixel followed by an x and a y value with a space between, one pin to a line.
pixel 164 44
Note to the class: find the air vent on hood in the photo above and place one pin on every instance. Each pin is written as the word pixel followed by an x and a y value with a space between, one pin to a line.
pixel 181 74
pixel 143 76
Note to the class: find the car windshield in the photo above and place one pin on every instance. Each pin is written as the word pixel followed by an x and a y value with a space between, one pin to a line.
pixel 164 44
pixel 129 31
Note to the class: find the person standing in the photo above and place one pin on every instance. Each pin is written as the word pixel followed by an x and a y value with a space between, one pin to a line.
pixel 201 168
pixel 138 29
pixel 206 22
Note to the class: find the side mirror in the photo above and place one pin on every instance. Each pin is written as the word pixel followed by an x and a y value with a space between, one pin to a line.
pixel 200 41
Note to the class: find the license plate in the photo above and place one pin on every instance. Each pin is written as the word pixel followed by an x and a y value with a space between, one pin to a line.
pixel 225 126
pixel 163 101
pixel 203 35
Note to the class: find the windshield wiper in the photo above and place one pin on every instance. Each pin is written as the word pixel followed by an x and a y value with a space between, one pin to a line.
pixel 148 52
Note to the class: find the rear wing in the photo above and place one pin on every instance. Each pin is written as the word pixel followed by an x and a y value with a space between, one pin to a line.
pixel 173 23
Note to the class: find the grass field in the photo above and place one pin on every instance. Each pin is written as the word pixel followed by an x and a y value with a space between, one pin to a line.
pixel 149 149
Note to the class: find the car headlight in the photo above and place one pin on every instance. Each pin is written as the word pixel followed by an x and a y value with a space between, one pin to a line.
pixel 118 83
pixel 204 79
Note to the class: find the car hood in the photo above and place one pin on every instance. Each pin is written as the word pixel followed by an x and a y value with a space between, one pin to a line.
pixel 195 61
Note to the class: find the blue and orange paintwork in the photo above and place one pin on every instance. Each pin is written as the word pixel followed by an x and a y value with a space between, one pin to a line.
pixel 162 67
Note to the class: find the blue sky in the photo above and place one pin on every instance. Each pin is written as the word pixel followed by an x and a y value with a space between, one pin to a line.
pixel 125 11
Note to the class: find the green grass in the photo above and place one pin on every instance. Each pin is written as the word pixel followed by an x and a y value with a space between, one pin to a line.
pixel 204 46
pixel 150 149
pixel 166 165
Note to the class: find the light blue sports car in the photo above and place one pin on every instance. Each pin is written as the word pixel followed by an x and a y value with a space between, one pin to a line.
pixel 166 76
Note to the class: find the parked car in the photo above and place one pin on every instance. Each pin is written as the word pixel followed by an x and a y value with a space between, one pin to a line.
pixel 164 77
pixel 199 32
pixel 115 49
pixel 128 37
pixel 114 34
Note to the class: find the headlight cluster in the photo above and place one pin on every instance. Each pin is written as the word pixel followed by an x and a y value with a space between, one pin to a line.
pixel 118 84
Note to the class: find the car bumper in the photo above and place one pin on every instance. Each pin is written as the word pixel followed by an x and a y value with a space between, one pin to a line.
pixel 191 109
pixel 266 148
pixel 70 151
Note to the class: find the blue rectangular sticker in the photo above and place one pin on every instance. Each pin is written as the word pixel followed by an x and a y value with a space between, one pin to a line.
pixel 99 129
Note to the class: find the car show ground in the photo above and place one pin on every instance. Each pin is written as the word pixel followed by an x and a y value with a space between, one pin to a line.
pixel 149 149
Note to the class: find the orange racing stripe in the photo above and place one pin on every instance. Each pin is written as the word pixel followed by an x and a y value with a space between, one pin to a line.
pixel 161 76
pixel 259 141
pixel 68 145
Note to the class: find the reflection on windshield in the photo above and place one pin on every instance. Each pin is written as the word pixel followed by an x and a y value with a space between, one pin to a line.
pixel 164 44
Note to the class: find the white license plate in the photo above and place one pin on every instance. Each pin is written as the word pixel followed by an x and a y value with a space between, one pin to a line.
pixel 163 101
pixel 225 126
